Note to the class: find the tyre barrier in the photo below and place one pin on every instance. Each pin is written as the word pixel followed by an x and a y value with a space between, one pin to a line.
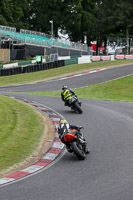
pixel 31 68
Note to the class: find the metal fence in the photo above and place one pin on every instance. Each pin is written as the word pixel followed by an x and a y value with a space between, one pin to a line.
pixel 7 28
pixel 39 39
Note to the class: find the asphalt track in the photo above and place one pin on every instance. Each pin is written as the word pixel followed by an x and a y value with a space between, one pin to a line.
pixel 107 173
pixel 74 82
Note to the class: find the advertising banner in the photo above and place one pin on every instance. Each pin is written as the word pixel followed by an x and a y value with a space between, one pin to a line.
pixel 119 57
pixel 127 57
pixel 95 58
pixel 105 58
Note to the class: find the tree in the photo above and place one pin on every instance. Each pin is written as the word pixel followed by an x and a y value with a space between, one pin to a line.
pixel 5 13
pixel 124 19
pixel 14 13
pixel 112 18
pixel 71 20
pixel 43 13
pixel 96 19
pixel 77 19
pixel 88 20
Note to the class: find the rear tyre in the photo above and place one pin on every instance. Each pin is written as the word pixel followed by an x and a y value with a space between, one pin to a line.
pixel 78 108
pixel 78 151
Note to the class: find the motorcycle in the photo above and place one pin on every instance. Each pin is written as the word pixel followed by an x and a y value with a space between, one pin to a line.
pixel 75 143
pixel 75 104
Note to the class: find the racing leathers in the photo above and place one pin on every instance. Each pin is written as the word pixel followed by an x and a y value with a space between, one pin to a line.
pixel 66 95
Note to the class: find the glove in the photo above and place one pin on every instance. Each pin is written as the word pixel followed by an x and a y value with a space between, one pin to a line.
pixel 80 127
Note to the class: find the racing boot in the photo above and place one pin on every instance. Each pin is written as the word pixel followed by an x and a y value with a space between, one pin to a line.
pixel 87 151
pixel 68 149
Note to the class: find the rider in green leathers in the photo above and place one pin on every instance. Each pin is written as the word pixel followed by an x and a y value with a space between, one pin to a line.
pixel 66 94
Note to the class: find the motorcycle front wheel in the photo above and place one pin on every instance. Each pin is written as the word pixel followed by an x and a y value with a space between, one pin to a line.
pixel 78 151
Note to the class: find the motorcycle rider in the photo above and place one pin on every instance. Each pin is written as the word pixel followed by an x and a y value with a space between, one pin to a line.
pixel 66 94
pixel 65 127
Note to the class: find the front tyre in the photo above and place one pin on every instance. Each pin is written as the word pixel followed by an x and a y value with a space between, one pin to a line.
pixel 78 151
pixel 78 108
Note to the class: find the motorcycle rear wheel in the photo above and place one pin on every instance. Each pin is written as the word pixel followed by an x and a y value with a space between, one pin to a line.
pixel 78 108
pixel 78 151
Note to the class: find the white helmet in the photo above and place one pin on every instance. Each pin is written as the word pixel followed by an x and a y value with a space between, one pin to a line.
pixel 64 87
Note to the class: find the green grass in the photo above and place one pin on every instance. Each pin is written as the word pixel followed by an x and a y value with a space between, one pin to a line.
pixel 58 72
pixel 116 90
pixel 21 129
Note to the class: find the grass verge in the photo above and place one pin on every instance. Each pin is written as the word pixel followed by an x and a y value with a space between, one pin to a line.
pixel 21 129
pixel 59 72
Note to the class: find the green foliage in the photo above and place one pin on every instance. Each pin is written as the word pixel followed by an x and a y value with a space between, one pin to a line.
pixel 43 12
pixel 14 13
pixel 95 19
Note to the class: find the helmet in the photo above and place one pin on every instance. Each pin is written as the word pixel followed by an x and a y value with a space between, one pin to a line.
pixel 64 87
pixel 63 125
pixel 63 121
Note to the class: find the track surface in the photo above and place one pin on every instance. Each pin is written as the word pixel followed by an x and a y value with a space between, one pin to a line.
pixel 79 81
pixel 107 173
